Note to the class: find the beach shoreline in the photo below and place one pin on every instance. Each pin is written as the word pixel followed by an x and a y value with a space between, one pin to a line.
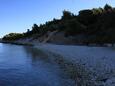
pixel 99 61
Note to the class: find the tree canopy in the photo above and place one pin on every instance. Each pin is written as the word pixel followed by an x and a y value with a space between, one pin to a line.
pixel 96 24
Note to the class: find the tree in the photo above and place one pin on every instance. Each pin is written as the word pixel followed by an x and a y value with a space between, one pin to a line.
pixel 73 27
pixel 13 36
pixel 107 7
pixel 35 28
pixel 86 17
pixel 28 30
pixel 97 11
pixel 67 15
pixel 85 12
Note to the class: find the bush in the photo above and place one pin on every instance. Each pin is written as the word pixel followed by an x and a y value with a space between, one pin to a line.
pixel 13 36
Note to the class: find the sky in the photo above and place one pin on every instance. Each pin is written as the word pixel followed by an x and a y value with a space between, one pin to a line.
pixel 20 15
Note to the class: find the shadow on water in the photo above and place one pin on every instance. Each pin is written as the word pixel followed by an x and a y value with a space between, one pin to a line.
pixel 28 66
pixel 63 71
pixel 70 74
pixel 36 54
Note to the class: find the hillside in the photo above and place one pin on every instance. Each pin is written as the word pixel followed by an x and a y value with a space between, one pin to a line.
pixel 90 26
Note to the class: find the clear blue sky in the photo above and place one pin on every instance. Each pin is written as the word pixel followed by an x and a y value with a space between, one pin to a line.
pixel 19 15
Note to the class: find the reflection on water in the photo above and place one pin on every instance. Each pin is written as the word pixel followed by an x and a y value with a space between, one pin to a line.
pixel 26 66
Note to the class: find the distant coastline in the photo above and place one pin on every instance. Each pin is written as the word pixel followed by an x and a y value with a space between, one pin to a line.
pixel 17 43
pixel 90 27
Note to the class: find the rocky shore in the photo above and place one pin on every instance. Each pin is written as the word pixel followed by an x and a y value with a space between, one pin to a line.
pixel 96 65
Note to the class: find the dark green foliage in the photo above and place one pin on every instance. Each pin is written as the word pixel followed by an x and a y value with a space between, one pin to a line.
pixel 67 15
pixel 35 28
pixel 13 36
pixel 86 17
pixel 73 27
pixel 97 11
pixel 107 7
pixel 85 12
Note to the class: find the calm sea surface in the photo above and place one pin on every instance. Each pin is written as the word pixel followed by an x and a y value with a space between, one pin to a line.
pixel 27 66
